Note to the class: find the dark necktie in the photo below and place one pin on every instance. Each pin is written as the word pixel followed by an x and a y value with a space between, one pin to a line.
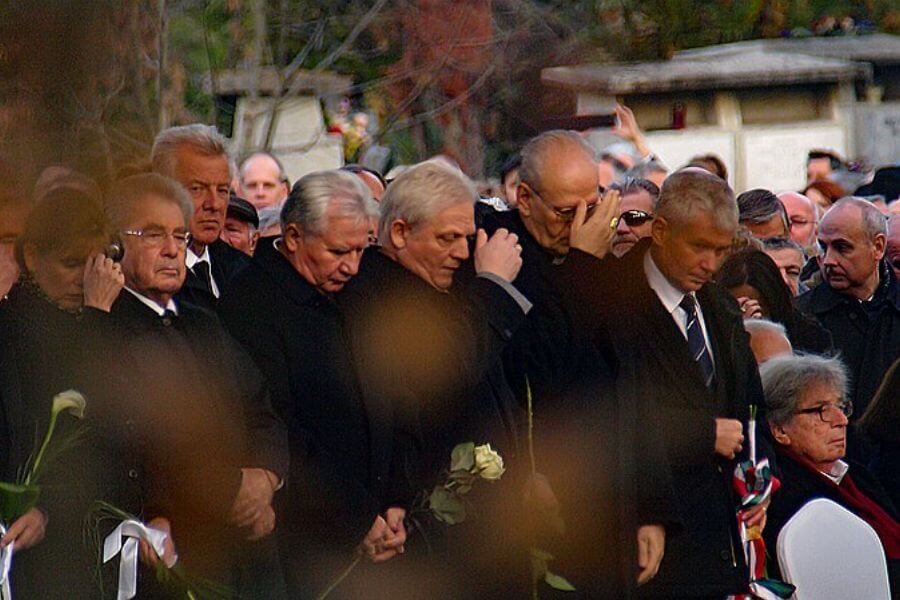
pixel 168 317
pixel 696 341
pixel 201 270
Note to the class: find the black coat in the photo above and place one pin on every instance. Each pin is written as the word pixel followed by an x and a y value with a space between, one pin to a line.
pixel 45 351
pixel 799 485
pixel 435 359
pixel 586 440
pixel 340 441
pixel 868 342
pixel 225 264
pixel 205 412
pixel 613 299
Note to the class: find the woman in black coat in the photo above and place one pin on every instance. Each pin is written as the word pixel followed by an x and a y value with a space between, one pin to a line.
pixel 46 321
pixel 751 273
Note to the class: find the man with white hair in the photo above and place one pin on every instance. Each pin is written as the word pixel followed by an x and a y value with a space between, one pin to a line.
pixel 859 300
pixel 196 157
pixel 282 310
pixel 429 348
pixel 265 185
pixel 767 339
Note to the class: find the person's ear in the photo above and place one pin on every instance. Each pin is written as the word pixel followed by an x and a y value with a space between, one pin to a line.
pixel 781 436
pixel 659 230
pixel 399 233
pixel 880 245
pixel 524 197
pixel 29 257
pixel 292 237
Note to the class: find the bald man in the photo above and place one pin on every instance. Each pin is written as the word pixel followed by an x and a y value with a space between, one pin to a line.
pixel 802 216
pixel 859 300
pixel 265 185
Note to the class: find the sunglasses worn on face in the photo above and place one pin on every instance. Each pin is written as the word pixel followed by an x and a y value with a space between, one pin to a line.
pixel 635 218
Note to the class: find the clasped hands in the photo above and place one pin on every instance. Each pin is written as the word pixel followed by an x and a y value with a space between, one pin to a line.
pixel 387 536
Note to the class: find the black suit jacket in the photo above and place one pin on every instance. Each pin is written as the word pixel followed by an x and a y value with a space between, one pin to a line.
pixel 340 441
pixel 613 299
pixel 225 264
pixel 204 410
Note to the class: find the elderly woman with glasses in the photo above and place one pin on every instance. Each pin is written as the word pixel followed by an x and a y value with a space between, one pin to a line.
pixel 808 415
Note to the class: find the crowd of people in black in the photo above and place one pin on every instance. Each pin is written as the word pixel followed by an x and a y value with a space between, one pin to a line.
pixel 277 375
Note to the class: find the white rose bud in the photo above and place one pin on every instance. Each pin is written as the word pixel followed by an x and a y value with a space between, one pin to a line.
pixel 69 401
pixel 489 463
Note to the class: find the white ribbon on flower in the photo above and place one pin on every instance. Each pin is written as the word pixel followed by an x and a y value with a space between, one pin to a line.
pixel 132 531
pixel 5 565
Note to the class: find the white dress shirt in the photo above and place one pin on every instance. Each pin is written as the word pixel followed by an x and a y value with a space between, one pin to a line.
pixel 671 297
pixel 837 472
pixel 152 304
pixel 191 259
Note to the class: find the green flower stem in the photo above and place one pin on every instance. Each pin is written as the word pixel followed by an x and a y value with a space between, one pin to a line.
pixel 32 472
pixel 530 408
pixel 340 580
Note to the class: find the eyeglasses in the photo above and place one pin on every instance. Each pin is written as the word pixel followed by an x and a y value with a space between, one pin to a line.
pixel 828 412
pixel 567 215
pixel 635 218
pixel 155 238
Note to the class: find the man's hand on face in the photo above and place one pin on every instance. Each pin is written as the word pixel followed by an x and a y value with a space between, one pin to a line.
pixel 148 555
pixel 729 437
pixel 103 280
pixel 26 531
pixel 593 234
pixel 651 547
pixel 500 255
pixel 252 505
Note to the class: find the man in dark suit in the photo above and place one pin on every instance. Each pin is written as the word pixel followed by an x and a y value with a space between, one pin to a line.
pixel 217 452
pixel 282 310
pixel 679 345
pixel 196 157
pixel 431 351
pixel 585 441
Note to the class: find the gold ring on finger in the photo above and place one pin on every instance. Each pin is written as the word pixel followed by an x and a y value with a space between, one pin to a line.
pixel 614 223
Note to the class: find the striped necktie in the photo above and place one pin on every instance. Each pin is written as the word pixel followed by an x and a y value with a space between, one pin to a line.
pixel 696 341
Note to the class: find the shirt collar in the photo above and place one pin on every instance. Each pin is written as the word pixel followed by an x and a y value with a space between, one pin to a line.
pixel 838 471
pixel 669 295
pixel 152 304
pixel 191 259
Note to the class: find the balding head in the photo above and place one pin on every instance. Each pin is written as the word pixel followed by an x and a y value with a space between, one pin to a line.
pixel 558 171
pixel 803 217
pixel 852 239
pixel 263 180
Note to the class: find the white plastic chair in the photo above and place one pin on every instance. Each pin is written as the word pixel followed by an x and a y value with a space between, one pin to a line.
pixel 831 554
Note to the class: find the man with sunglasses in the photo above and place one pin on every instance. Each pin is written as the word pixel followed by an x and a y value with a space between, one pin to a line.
pixel 579 437
pixel 808 417
pixel 637 203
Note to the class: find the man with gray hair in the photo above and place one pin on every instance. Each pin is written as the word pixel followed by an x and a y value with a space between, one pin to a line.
pixel 682 356
pixel 282 309
pixel 429 348
pixel 762 214
pixel 196 157
pixel 859 300
pixel 808 417
pixel 637 205
pixel 215 452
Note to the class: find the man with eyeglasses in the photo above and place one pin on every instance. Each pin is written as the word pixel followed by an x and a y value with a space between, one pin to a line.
pixel 579 434
pixel 637 203
pixel 215 454
pixel 196 157
pixel 808 417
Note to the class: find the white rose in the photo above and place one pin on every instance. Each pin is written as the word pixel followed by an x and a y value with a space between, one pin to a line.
pixel 489 463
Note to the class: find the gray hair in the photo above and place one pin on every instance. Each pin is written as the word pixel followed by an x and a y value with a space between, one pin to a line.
pixel 422 192
pixel 754 325
pixel 314 194
pixel 282 174
pixel 691 190
pixel 635 185
pixel 535 152
pixel 204 138
pixel 782 243
pixel 130 192
pixel 873 221
pixel 760 206
pixel 785 378
pixel 644 169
